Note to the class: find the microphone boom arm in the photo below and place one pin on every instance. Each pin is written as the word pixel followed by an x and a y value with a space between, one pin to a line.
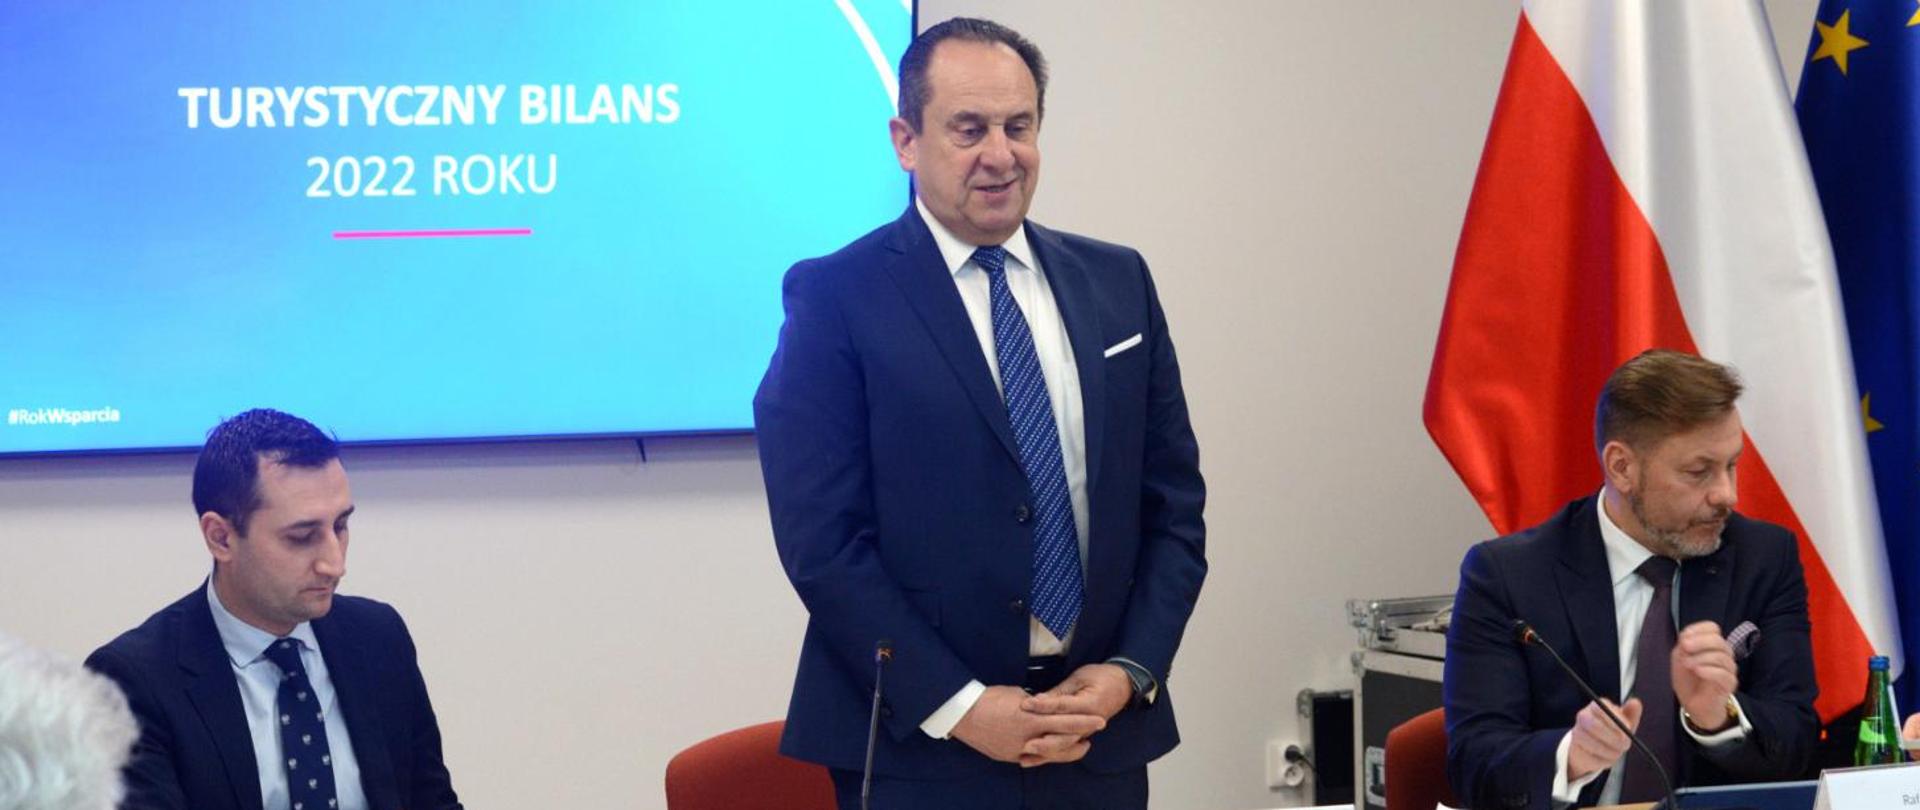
pixel 1525 634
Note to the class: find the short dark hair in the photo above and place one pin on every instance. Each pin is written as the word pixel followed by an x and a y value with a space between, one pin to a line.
pixel 914 90
pixel 1660 393
pixel 226 478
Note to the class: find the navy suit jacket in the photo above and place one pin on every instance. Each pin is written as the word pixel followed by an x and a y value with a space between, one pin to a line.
pixel 1507 707
pixel 901 512
pixel 195 751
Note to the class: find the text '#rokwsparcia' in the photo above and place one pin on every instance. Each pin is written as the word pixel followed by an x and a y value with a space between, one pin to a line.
pixel 47 417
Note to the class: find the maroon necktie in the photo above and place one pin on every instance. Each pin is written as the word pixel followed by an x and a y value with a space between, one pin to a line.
pixel 1653 685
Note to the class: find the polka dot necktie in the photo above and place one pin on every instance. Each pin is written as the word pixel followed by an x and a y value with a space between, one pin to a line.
pixel 303 732
pixel 1056 595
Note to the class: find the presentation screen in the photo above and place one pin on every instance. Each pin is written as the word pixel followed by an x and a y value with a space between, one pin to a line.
pixel 422 221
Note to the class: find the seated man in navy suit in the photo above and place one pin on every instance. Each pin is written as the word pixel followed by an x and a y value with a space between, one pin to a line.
pixel 976 447
pixel 1637 587
pixel 263 689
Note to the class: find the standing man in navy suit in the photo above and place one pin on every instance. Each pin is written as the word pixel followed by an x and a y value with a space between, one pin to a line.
pixel 1639 587
pixel 263 689
pixel 977 451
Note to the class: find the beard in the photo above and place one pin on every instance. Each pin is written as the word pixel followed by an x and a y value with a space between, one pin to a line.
pixel 1674 540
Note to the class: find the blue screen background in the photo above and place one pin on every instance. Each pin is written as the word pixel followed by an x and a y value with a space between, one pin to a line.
pixel 181 275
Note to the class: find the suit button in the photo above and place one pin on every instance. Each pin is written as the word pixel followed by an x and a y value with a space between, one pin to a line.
pixel 1022 514
pixel 885 710
pixel 1017 606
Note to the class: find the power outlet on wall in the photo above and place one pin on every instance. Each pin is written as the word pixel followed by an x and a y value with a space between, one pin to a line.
pixel 1284 768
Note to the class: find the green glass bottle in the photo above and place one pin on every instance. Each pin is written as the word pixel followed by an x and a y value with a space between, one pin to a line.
pixel 1879 719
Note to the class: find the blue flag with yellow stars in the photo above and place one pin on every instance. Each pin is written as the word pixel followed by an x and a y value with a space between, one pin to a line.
pixel 1859 108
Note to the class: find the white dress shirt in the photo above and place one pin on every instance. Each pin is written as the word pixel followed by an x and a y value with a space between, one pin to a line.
pixel 1027 281
pixel 1632 596
pixel 259 681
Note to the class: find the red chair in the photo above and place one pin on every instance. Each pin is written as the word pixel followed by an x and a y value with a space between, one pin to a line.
pixel 743 770
pixel 1417 764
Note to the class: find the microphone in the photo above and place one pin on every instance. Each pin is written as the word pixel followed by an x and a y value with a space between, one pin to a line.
pixel 1526 636
pixel 882 653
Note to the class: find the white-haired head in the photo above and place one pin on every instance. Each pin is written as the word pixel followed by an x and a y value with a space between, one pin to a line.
pixel 65 733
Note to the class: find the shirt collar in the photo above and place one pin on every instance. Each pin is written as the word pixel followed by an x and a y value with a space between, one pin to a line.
pixel 957 252
pixel 247 645
pixel 1624 554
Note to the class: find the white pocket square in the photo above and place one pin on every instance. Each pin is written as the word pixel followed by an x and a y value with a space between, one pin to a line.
pixel 1123 345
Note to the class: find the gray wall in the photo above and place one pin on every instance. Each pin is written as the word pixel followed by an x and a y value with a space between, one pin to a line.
pixel 1295 171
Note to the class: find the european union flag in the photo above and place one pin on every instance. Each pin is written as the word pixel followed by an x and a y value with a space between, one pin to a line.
pixel 1859 109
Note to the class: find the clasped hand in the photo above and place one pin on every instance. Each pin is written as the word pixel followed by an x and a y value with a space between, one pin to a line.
pixel 1705 676
pixel 1009 725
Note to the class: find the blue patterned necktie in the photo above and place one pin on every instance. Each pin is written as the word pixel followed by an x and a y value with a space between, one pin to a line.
pixel 303 732
pixel 1056 547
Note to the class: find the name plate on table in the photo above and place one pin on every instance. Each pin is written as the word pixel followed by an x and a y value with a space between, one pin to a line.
pixel 1892 787
pixel 1753 796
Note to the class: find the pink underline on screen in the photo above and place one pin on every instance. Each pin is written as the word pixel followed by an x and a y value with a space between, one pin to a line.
pixel 442 233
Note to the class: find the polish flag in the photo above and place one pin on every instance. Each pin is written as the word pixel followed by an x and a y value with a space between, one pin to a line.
pixel 1643 186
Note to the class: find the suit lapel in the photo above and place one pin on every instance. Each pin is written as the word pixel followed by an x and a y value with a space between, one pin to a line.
pixel 922 276
pixel 1706 583
pixel 1073 293
pixel 1072 287
pixel 352 684
pixel 1586 588
pixel 211 687
pixel 1705 586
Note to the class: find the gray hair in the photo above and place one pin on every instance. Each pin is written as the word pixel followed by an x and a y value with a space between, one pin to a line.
pixel 65 733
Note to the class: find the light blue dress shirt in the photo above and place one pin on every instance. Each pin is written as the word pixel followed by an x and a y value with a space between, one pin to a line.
pixel 259 682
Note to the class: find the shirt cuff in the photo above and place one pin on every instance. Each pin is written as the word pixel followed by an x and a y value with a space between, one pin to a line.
pixel 1145 687
pixel 1729 735
pixel 1567 793
pixel 939 725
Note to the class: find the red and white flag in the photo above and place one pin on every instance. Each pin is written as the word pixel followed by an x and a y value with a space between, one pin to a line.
pixel 1643 186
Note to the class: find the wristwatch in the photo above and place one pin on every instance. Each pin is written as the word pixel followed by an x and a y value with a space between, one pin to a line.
pixel 1733 718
